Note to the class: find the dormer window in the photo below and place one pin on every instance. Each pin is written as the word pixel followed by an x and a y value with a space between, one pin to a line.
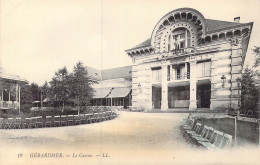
pixel 179 39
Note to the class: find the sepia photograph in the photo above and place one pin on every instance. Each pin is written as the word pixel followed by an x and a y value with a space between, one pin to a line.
pixel 113 82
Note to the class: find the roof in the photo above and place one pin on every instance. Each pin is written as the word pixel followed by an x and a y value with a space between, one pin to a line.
pixel 121 72
pixel 212 25
pixel 93 73
pixel 119 92
pixel 101 92
pixel 119 82
pixel 143 44
pixel 47 99
pixel 12 77
pixel 106 74
pixel 111 92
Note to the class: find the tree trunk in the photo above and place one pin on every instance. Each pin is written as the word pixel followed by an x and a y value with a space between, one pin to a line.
pixel 78 106
pixel 62 106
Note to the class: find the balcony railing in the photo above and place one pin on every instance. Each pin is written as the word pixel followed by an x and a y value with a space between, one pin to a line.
pixel 8 104
pixel 179 76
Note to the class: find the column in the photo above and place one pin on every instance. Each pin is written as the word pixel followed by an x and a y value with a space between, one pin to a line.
pixel 258 104
pixel 151 97
pixel 1 100
pixel 185 70
pixel 164 102
pixel 170 72
pixel 149 90
pixel 173 73
pixel 19 99
pixel 16 92
pixel 16 96
pixel 9 97
pixel 193 86
pixel 186 38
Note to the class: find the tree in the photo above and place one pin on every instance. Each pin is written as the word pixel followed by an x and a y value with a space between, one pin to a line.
pixel 29 93
pixel 59 90
pixel 249 89
pixel 256 50
pixel 81 91
pixel 249 81
pixel 26 94
pixel 45 90
pixel 35 92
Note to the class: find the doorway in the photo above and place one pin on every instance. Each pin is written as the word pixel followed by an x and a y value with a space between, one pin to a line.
pixel 203 96
pixel 156 97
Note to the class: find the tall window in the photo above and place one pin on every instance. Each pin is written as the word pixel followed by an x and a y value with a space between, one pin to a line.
pixel 203 69
pixel 157 74
pixel 179 39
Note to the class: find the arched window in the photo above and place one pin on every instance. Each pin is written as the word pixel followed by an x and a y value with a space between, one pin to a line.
pixel 178 39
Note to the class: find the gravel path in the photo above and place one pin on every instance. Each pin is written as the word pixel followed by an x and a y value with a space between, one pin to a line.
pixel 129 130
pixel 132 138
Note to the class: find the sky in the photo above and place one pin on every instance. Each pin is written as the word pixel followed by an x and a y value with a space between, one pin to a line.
pixel 38 37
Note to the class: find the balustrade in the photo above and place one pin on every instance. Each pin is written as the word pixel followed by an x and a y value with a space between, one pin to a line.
pixel 178 76
pixel 8 104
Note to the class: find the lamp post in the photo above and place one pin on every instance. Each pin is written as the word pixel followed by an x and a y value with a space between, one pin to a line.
pixel 41 100
pixel 223 80
pixel 238 111
pixel 239 94
pixel 111 97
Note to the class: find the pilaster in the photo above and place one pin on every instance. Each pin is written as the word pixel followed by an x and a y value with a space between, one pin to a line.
pixel 164 102
pixel 193 85
pixel 236 72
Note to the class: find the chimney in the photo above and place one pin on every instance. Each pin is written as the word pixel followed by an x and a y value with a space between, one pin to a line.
pixel 237 19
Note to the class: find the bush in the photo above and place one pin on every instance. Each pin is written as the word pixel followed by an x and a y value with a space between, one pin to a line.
pixel 8 113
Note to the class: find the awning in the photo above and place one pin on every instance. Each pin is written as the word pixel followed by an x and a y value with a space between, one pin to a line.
pixel 101 92
pixel 119 92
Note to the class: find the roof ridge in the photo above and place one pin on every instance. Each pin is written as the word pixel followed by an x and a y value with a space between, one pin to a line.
pixel 117 67
pixel 224 21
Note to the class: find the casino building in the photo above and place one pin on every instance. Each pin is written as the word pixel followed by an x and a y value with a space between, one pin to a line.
pixel 189 62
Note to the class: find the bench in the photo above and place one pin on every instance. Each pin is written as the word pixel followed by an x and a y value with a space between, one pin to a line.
pixel 76 119
pixel 10 123
pixel 48 121
pixel 57 121
pixel 94 118
pixel 202 136
pixel 39 121
pixel 63 120
pixel 18 123
pixel 2 123
pixel 88 117
pixel 33 122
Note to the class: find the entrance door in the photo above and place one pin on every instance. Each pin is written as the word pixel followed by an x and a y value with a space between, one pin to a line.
pixel 171 100
pixel 157 97
pixel 204 95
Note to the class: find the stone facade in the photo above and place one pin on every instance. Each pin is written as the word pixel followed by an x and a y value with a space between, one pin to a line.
pixel 189 62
